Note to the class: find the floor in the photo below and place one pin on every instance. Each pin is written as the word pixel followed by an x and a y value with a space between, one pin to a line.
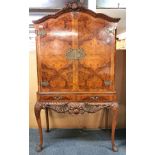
pixel 77 142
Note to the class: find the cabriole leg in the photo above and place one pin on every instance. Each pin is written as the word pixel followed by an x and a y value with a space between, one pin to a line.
pixel 47 120
pixel 37 110
pixel 114 123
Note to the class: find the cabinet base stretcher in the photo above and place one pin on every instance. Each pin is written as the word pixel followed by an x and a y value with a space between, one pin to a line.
pixel 75 108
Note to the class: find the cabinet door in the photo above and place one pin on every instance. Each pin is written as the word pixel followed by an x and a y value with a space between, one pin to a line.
pixel 97 39
pixel 54 39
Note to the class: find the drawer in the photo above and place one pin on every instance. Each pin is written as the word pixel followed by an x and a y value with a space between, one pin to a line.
pixel 94 98
pixel 56 97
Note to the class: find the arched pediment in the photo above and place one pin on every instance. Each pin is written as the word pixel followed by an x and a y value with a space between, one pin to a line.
pixel 77 8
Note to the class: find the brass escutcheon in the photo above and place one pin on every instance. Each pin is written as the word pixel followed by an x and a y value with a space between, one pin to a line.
pixel 75 54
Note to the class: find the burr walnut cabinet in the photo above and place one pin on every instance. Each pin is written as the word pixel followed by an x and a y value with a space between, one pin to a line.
pixel 76 64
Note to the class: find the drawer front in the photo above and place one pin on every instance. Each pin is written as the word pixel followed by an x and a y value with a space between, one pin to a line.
pixel 94 98
pixel 77 97
pixel 56 97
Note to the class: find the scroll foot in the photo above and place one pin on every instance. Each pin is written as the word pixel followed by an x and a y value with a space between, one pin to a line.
pixel 114 148
pixel 39 148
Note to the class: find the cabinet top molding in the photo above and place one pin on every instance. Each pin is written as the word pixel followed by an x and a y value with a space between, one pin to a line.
pixel 75 7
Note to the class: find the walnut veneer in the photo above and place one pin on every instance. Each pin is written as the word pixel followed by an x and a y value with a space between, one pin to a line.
pixel 76 64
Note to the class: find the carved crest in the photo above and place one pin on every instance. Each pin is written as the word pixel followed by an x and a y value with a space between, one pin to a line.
pixel 74 5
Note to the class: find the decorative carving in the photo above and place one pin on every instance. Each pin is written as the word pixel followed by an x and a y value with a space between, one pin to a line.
pixel 77 107
pixel 73 5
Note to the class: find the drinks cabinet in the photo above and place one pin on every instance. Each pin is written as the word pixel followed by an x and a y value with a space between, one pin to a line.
pixel 75 50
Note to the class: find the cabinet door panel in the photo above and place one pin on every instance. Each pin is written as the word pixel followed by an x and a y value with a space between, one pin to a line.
pixel 96 69
pixel 55 70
